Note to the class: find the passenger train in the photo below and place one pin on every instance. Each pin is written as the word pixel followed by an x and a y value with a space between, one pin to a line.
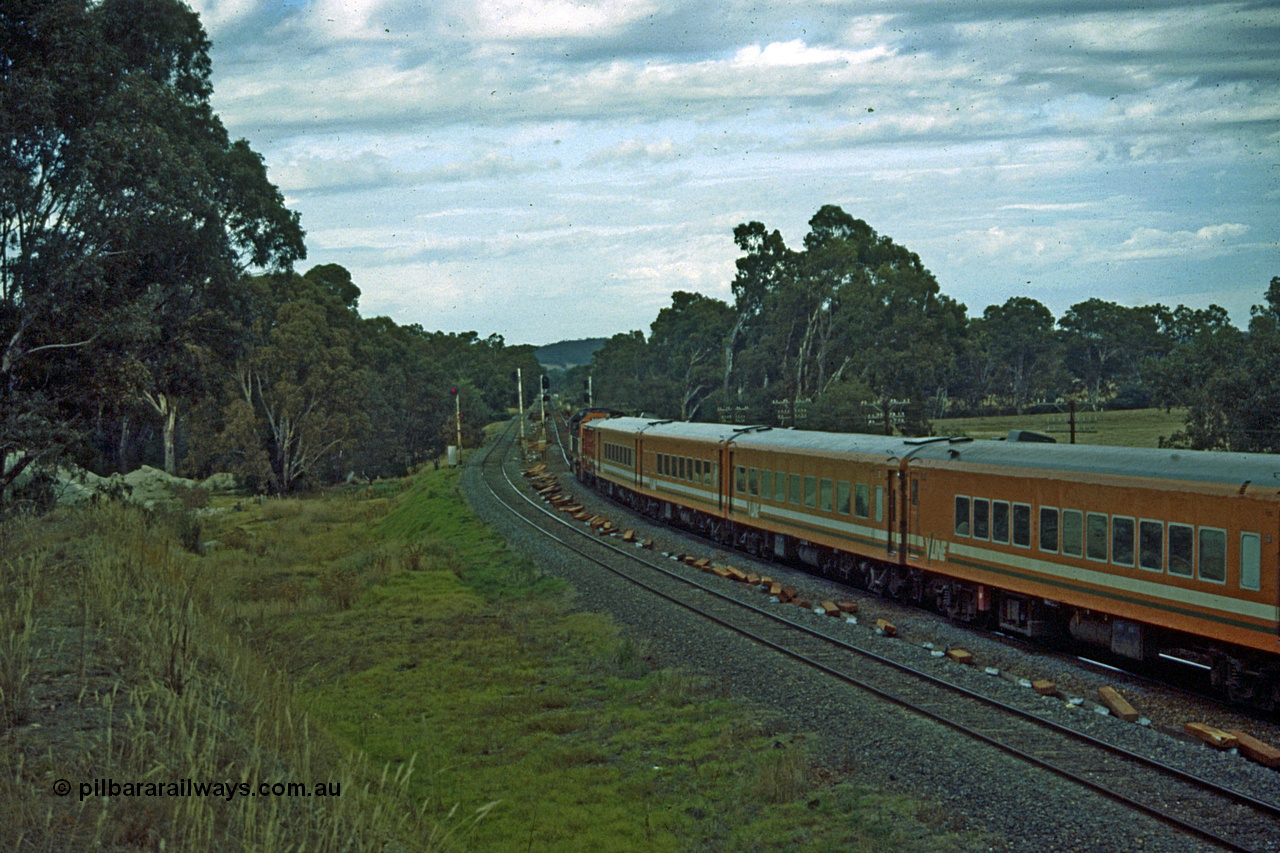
pixel 1144 552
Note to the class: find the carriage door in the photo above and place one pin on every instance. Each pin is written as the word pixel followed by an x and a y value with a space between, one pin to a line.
pixel 637 471
pixel 913 513
pixel 891 517
pixel 727 478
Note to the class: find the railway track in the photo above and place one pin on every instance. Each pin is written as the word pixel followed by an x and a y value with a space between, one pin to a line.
pixel 1227 818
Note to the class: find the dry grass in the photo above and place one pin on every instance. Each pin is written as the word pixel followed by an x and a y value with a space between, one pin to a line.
pixel 116 662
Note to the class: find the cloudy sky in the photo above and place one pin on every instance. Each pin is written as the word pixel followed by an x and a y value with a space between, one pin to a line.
pixel 552 169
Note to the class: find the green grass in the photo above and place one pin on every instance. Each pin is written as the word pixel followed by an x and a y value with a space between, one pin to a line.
pixel 1127 428
pixel 385 639
pixel 566 735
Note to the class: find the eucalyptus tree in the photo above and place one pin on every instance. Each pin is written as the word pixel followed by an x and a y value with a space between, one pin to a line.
pixel 1022 354
pixel 1105 343
pixel 126 216
pixel 686 343
pixel 853 306
pixel 1226 378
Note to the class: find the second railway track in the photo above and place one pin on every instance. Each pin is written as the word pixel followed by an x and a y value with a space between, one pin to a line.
pixel 1214 813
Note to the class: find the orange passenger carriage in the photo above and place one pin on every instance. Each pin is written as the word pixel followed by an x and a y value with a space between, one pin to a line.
pixel 668 470
pixel 1143 552
pixel 1154 551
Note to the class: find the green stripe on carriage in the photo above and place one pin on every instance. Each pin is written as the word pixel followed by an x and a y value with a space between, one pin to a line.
pixel 1164 604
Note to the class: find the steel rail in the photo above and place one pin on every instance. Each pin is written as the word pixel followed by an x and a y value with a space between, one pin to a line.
pixel 1152 764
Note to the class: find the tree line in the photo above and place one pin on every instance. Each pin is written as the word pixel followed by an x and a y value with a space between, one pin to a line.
pixel 853 326
pixel 149 306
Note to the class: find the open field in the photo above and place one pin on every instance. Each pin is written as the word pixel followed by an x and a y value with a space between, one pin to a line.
pixel 1127 428
pixel 383 641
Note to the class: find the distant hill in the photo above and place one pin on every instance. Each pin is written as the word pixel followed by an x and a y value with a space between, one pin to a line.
pixel 566 354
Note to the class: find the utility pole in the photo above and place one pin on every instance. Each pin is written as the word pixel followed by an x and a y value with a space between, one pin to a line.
pixel 457 417
pixel 544 388
pixel 542 398
pixel 520 399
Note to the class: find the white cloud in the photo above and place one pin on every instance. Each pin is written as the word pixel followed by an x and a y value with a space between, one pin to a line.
pixel 796 53
pixel 216 14
pixel 540 19
pixel 638 151
pixel 1146 243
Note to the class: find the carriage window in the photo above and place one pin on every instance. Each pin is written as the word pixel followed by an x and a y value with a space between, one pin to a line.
pixel 981 518
pixel 842 497
pixel 826 493
pixel 780 487
pixel 766 484
pixel 862 500
pixel 793 489
pixel 753 481
pixel 688 469
pixel 1181 549
pixel 811 492
pixel 1122 541
pixel 1095 536
pixel 1072 532
pixel 1048 529
pixel 1250 561
pixel 1213 555
pixel 740 481
pixel 680 467
pixel 879 503
pixel 1000 521
pixel 697 470
pixel 1022 525
pixel 708 473
pixel 962 516
pixel 1151 545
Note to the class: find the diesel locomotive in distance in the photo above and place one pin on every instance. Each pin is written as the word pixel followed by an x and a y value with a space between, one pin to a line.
pixel 1144 552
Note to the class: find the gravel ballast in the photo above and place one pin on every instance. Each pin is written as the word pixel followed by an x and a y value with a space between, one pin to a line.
pixel 876 743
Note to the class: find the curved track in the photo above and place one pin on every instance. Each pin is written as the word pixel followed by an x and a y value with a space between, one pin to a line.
pixel 1230 819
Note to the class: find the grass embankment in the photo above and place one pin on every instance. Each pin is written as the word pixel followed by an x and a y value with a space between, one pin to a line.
pixel 391 643
pixel 1124 428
